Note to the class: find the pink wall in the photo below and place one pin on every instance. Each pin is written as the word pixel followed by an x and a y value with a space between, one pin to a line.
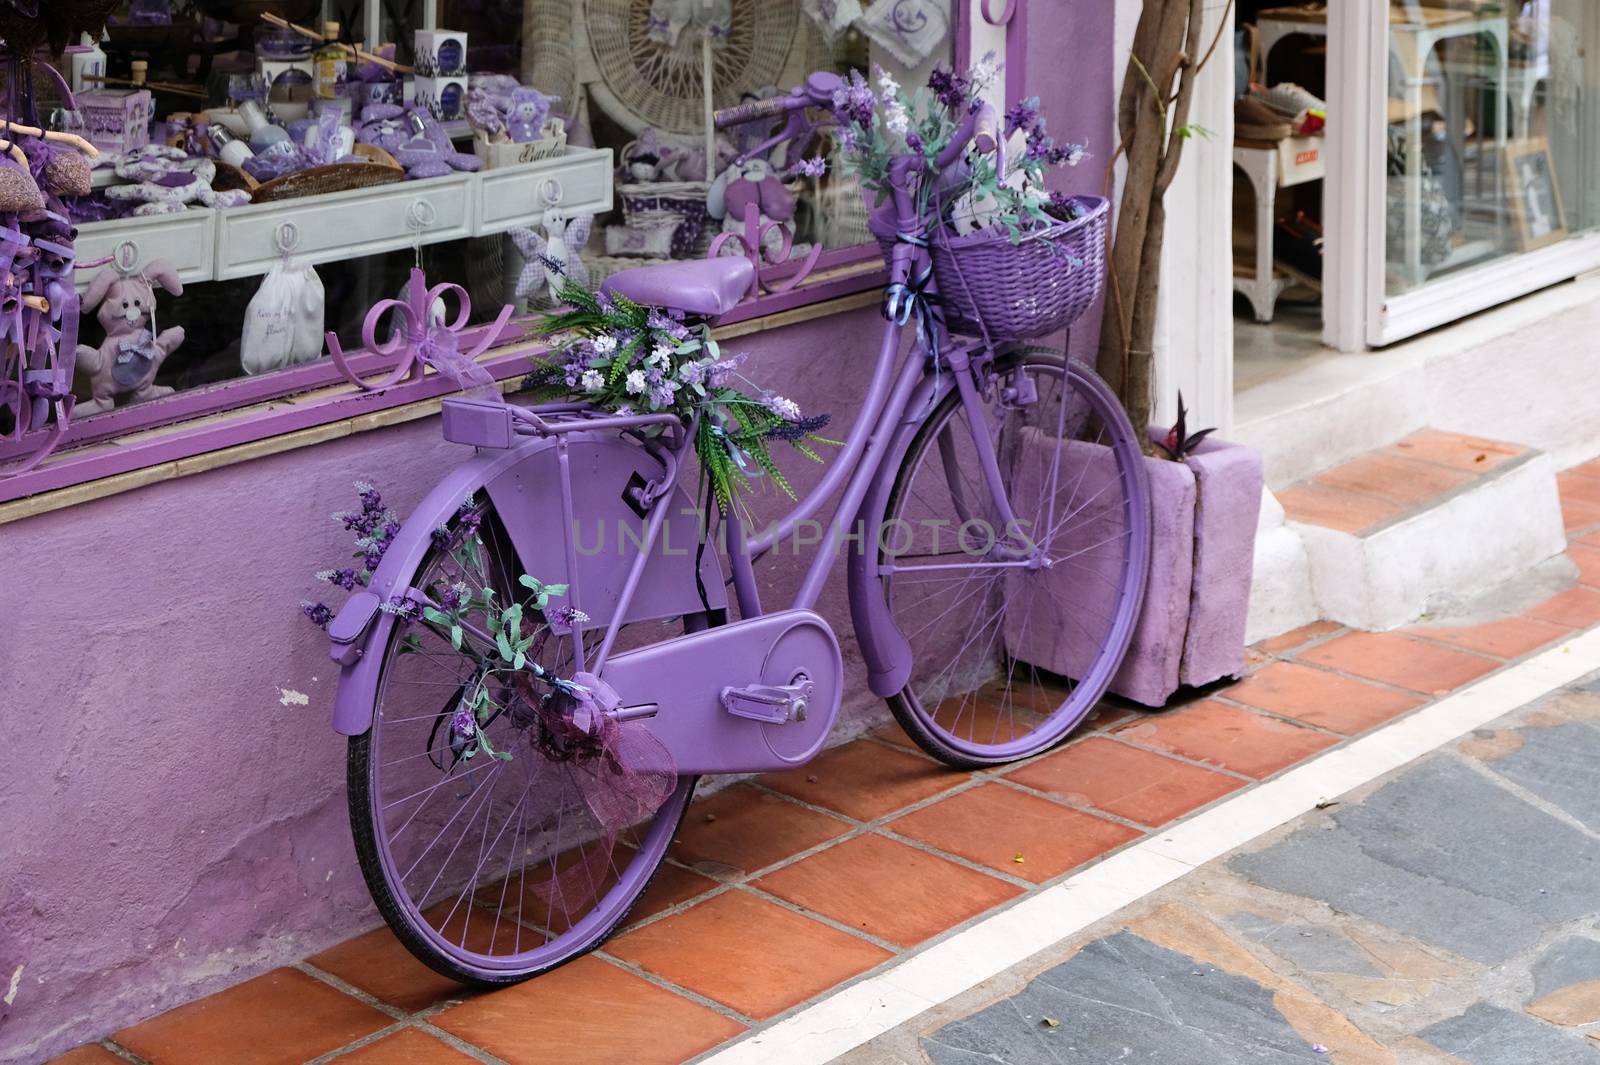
pixel 171 825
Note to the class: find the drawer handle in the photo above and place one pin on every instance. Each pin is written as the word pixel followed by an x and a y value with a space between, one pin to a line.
pixel 550 191
pixel 421 214
pixel 126 257
pixel 286 238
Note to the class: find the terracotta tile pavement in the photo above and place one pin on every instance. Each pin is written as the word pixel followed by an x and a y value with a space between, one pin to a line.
pixel 1505 637
pixel 747 953
pixel 1297 637
pixel 1013 832
pixel 1402 480
pixel 865 780
pixel 407 1047
pixel 1576 607
pixel 1400 660
pixel 1337 508
pixel 1587 559
pixel 1453 449
pixel 1241 740
pixel 1125 781
pixel 280 1018
pixel 741 829
pixel 865 883
pixel 1317 697
pixel 709 952
pixel 588 1012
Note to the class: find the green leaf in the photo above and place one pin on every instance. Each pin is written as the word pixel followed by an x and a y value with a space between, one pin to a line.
pixel 503 645
pixel 518 659
pixel 455 637
pixel 533 583
pixel 438 617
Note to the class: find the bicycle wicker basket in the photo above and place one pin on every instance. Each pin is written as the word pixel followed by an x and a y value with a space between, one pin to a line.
pixel 990 287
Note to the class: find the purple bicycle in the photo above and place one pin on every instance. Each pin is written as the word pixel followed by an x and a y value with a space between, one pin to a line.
pixel 994 512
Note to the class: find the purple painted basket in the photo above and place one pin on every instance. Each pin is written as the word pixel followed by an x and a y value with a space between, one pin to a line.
pixel 990 287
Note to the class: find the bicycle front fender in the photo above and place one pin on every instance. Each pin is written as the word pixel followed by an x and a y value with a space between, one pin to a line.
pixel 884 648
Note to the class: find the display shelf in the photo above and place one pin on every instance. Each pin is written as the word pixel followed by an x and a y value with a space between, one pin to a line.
pixel 187 241
pixel 218 245
pixel 343 225
pixel 578 182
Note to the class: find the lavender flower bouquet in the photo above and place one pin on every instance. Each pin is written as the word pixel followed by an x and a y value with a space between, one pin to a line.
pixel 631 359
pixel 877 124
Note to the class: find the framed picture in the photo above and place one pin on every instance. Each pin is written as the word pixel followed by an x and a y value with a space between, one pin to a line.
pixel 1535 199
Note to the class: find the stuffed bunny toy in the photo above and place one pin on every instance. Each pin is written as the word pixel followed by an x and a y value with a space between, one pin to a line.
pixel 126 362
pixel 753 182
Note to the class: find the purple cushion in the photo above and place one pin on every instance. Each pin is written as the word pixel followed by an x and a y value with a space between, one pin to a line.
pixel 695 286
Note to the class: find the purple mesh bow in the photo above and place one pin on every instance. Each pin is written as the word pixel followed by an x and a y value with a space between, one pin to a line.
pixel 424 337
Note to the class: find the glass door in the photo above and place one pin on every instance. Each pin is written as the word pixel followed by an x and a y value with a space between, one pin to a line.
pixel 1472 164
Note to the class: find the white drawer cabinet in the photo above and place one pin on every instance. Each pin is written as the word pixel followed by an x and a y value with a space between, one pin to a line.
pixel 343 225
pixel 187 241
pixel 578 182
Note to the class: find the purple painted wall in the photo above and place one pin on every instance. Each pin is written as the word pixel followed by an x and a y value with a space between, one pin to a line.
pixel 173 821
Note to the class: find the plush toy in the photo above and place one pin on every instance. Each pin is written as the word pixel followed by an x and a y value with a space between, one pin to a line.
pixel 525 117
pixel 753 182
pixel 552 259
pixel 414 138
pixel 165 180
pixel 126 362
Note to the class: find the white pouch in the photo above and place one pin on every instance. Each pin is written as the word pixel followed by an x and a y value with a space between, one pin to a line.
pixel 283 324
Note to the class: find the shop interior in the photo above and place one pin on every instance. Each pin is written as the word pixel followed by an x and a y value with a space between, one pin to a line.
pixel 1485 155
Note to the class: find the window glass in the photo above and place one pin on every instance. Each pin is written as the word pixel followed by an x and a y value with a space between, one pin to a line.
pixel 624 75
pixel 1492 129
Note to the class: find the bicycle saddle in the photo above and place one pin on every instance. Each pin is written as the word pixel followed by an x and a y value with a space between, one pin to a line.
pixel 709 287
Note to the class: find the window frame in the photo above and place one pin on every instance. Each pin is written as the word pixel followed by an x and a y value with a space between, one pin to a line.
pixel 249 410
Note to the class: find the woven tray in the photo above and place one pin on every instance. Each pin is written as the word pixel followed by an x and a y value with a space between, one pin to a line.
pixel 380 169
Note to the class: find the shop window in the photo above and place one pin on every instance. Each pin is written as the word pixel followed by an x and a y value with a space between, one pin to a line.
pixel 1490 145
pixel 628 77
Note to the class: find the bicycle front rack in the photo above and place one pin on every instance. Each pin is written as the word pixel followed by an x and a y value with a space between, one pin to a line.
pixel 497 424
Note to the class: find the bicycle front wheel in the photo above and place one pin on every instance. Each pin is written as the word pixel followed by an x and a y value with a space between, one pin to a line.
pixel 1015 632
pixel 491 868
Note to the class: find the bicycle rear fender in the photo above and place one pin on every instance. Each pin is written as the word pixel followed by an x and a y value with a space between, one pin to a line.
pixel 524 486
pixel 884 648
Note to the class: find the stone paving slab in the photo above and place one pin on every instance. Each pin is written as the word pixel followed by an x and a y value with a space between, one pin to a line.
pixel 1447 914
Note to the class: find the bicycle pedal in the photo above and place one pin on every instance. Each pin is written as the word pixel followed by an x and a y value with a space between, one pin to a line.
pixel 771 704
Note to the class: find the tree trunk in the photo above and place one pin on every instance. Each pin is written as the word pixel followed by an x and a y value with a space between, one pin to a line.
pixel 1152 120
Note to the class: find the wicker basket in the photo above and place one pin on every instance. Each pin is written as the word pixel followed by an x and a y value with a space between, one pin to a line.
pixel 379 169
pixel 989 287
pixel 649 204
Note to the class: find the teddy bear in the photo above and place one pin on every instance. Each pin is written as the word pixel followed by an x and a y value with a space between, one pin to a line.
pixel 525 117
pixel 126 362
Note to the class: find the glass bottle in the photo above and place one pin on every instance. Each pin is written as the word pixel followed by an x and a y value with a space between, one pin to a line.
pixel 330 64
pixel 229 149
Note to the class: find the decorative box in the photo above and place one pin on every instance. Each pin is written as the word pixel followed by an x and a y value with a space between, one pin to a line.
pixel 116 120
pixel 441 53
pixel 497 154
pixel 445 98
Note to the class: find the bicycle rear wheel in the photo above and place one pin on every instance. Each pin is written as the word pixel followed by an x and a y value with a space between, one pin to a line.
pixel 1015 634
pixel 490 870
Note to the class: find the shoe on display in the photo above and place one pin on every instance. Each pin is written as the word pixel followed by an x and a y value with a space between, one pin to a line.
pixel 1306 113
pixel 1297 249
pixel 1255 121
